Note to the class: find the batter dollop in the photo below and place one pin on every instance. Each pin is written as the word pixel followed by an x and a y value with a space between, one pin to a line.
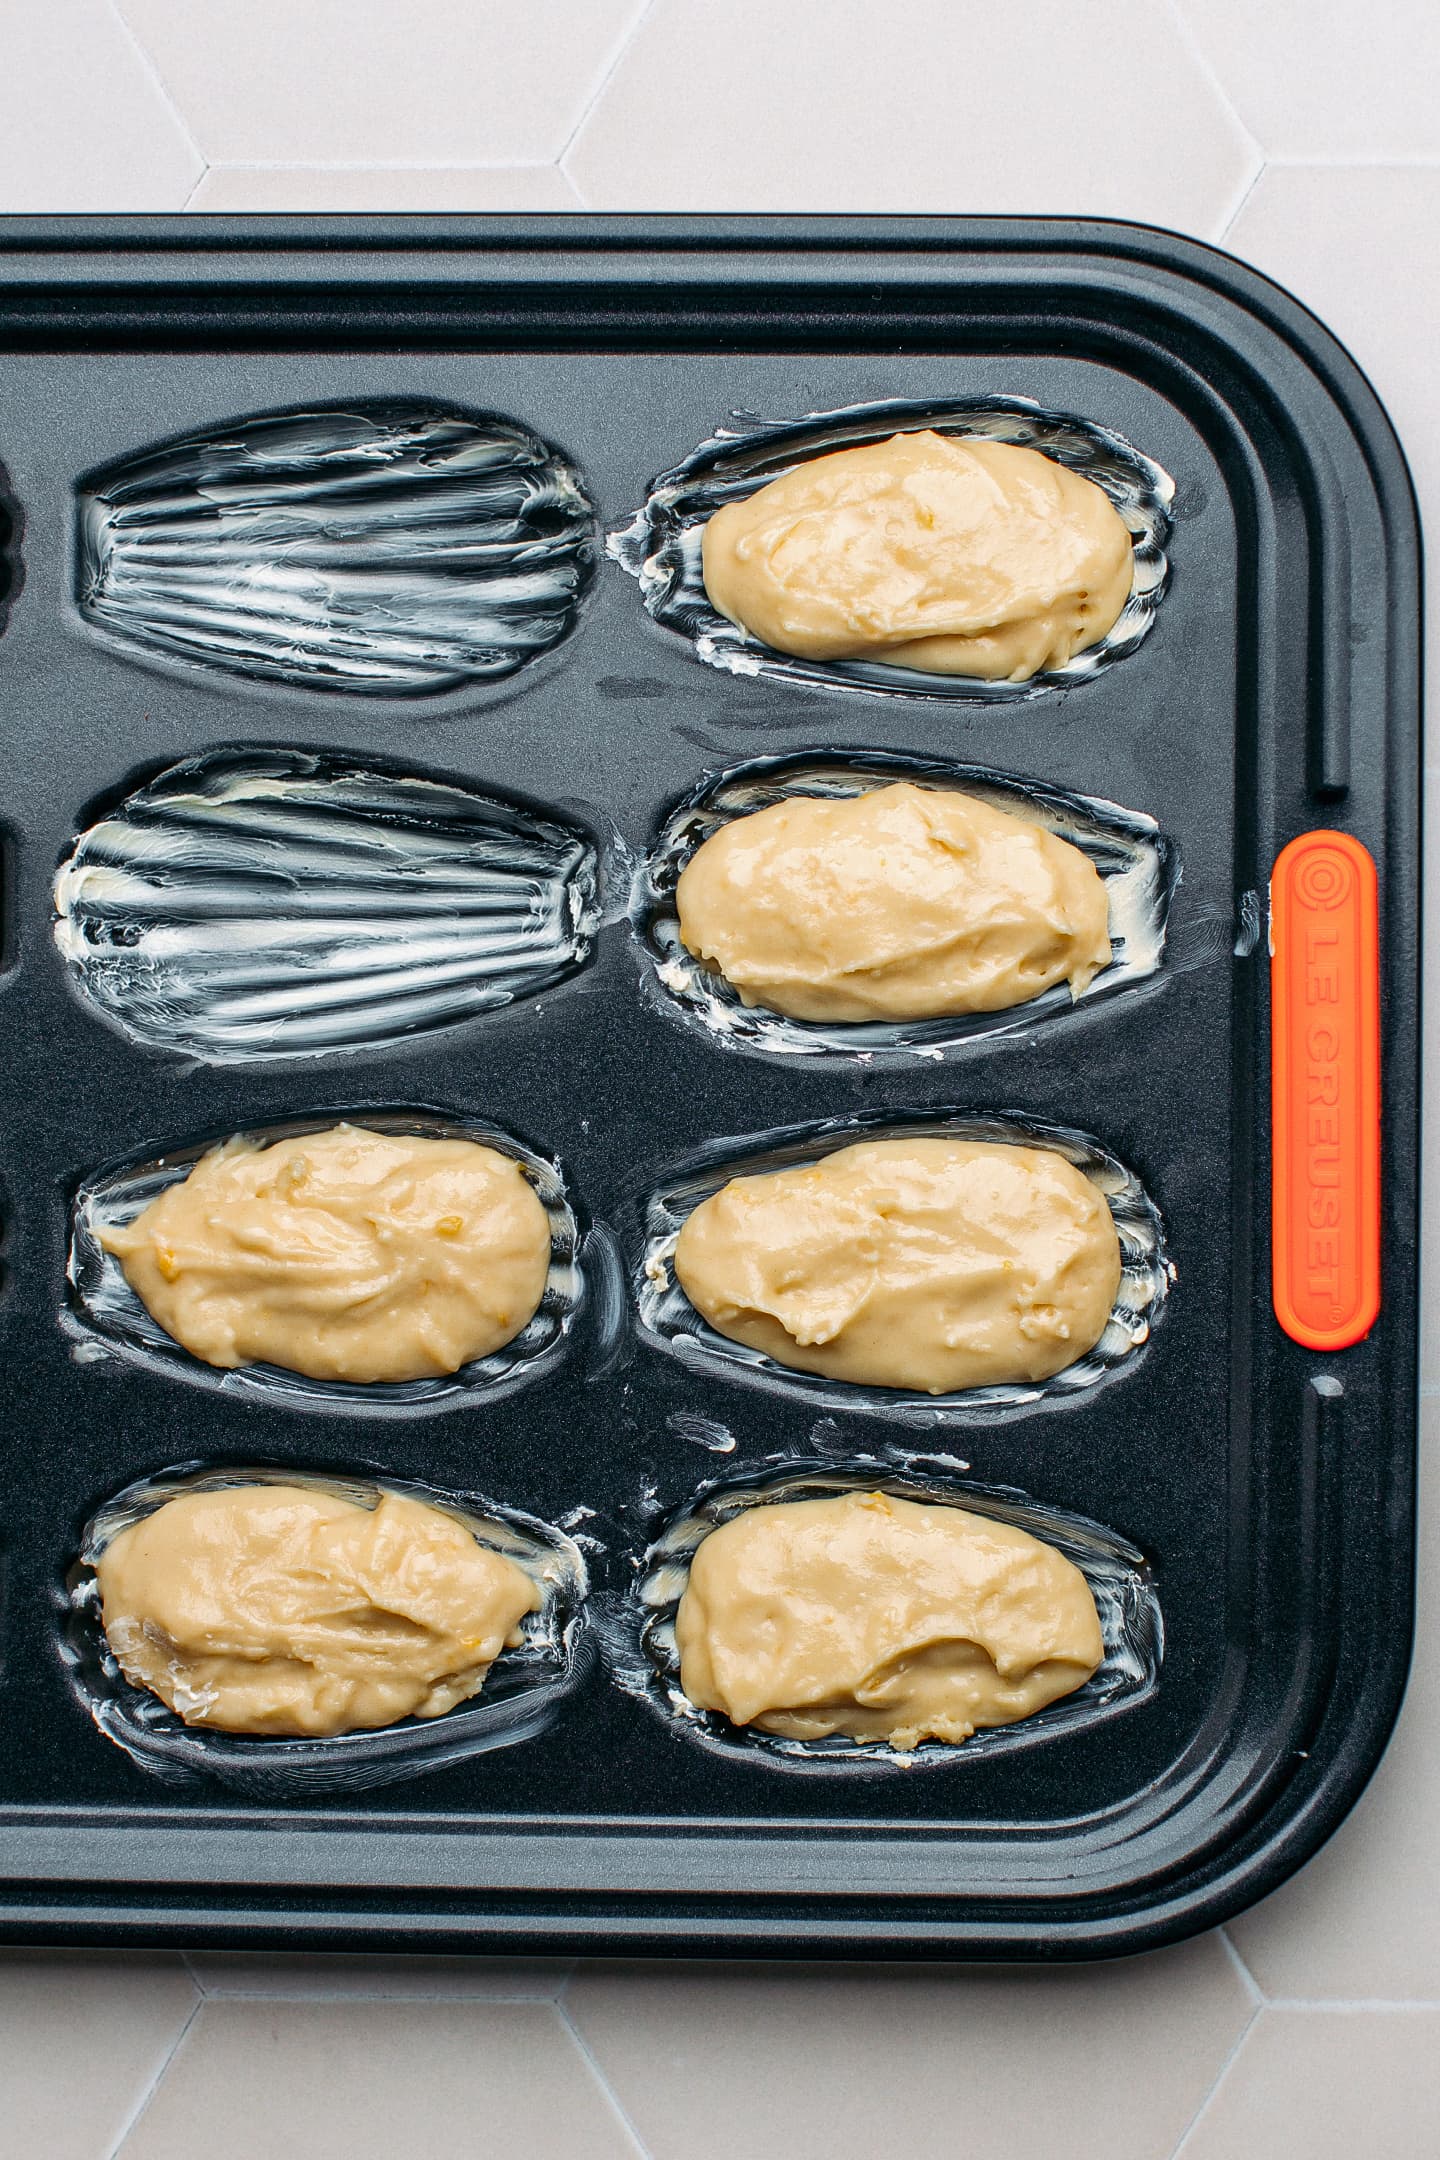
pixel 883 1619
pixel 929 1263
pixel 345 1255
pixel 906 903
pixel 278 1609
pixel 944 553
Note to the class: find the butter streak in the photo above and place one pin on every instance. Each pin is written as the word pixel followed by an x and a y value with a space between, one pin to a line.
pixel 255 905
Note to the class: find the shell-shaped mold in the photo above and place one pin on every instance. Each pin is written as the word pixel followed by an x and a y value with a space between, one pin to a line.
pixel 638 1632
pixel 667 1320
pixel 661 545
pixel 523 1694
pixel 1129 851
pixel 274 903
pixel 387 547
pixel 103 1315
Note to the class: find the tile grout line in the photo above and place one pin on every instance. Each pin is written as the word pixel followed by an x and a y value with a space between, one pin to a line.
pixel 127 2127
pixel 1185 31
pixel 1233 219
pixel 621 2115
pixel 598 92
pixel 1252 1986
pixel 1257 2011
pixel 147 61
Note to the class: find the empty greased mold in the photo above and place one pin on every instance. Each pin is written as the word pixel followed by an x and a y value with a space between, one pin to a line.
pixel 667 1319
pixel 383 547
pixel 105 1314
pixel 638 1636
pixel 285 903
pixel 662 545
pixel 1133 857
pixel 524 1690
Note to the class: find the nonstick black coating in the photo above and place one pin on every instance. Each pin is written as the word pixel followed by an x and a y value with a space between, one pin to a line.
pixel 1269 1489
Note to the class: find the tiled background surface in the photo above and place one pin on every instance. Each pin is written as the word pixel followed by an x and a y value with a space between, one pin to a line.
pixel 1302 134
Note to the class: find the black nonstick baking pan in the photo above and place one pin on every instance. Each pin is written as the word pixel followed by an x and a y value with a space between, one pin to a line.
pixel 1256 1478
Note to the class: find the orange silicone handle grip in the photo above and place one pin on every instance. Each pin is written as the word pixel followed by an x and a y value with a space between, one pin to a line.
pixel 1325 1082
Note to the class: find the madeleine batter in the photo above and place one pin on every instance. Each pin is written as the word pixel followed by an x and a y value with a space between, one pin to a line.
pixel 277 1609
pixel 929 1264
pixel 905 903
pixel 882 1619
pixel 345 1255
pixel 944 553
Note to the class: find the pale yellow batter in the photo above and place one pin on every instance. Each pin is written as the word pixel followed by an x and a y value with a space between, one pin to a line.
pixel 906 903
pixel 882 1619
pixel 346 1255
pixel 929 1264
pixel 944 553
pixel 276 1609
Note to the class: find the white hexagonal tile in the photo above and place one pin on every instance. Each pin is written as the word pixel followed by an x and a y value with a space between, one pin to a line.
pixel 1327 2085
pixel 87 126
pixel 377 2081
pixel 1087 108
pixel 301 188
pixel 356 82
pixel 1326 78
pixel 81 2040
pixel 1098 2062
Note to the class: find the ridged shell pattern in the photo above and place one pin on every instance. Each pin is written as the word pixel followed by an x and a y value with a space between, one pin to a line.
pixel 104 1317
pixel 389 547
pixel 523 1693
pixel 661 545
pixel 667 1320
pixel 275 903
pixel 638 1635
pixel 1128 850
